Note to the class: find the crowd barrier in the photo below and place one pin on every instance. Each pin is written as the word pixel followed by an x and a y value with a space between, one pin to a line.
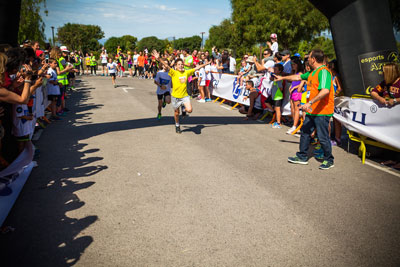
pixel 13 178
pixel 365 117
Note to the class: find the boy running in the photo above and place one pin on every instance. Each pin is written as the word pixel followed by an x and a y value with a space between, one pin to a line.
pixel 112 68
pixel 179 77
pixel 163 81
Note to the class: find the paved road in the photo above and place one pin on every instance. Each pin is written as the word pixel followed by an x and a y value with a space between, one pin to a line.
pixel 116 187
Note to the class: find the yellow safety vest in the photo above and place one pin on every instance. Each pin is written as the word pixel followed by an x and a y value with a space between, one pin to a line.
pixel 93 61
pixel 62 78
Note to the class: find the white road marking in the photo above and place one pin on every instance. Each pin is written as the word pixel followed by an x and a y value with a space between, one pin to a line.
pixel 376 166
pixel 127 88
pixel 225 107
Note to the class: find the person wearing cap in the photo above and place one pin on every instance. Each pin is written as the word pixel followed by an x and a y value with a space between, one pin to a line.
pixel 273 45
pixel 286 62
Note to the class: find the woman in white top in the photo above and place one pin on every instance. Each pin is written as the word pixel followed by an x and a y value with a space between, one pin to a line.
pixel 103 57
pixel 274 45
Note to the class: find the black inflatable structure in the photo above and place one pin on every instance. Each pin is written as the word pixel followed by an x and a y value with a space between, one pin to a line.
pixel 363 35
pixel 9 21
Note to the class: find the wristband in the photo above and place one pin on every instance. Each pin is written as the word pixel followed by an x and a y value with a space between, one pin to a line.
pixel 394 100
pixel 28 81
pixel 311 102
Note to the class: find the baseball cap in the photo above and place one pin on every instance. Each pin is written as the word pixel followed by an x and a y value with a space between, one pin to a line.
pixel 297 55
pixel 274 36
pixel 64 49
pixel 285 52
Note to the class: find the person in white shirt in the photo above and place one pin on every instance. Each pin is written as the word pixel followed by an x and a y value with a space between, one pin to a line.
pixel 103 57
pixel 112 68
pixel 163 81
pixel 232 64
pixel 274 45
pixel 53 89
pixel 135 63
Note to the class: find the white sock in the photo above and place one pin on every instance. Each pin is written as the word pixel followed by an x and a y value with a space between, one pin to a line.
pixel 177 124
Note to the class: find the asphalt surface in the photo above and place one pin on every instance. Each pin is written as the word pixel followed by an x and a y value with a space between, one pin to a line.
pixel 117 187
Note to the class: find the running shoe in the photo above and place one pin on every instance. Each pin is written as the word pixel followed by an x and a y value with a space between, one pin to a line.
pixel 115 86
pixel 201 101
pixel 164 104
pixel 326 165
pixel 297 160
pixel 291 130
pixel 178 129
pixel 276 125
pixel 159 116
pixel 208 99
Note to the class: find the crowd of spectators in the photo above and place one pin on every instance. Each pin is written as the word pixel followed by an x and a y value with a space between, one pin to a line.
pixel 32 80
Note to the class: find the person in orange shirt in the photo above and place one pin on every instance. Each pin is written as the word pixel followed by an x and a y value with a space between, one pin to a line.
pixel 141 60
pixel 319 109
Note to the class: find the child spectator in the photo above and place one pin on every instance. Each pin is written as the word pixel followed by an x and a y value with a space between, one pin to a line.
pixel 53 89
pixel 295 94
pixel 277 96
pixel 333 67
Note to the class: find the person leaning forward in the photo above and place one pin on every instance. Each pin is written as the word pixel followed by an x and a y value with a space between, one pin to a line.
pixel 319 109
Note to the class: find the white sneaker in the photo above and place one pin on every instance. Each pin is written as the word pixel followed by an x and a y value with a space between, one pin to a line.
pixel 201 101
pixel 291 130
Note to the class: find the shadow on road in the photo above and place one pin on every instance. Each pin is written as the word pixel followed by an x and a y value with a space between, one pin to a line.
pixel 44 233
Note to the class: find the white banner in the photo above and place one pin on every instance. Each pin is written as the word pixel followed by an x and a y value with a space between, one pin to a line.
pixel 370 118
pixel 228 87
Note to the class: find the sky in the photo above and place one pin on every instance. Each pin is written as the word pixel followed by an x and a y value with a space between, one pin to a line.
pixel 160 18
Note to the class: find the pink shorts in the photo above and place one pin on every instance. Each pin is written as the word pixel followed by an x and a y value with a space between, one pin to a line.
pixel 295 96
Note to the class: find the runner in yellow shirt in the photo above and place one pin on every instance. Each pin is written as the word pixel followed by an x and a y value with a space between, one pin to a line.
pixel 179 93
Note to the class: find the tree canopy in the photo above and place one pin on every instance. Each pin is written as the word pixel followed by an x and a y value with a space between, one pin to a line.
pixel 192 43
pixel 80 36
pixel 31 25
pixel 221 36
pixel 151 43
pixel 126 42
pixel 292 20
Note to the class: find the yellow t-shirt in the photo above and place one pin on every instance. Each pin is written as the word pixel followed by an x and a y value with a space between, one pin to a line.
pixel 179 82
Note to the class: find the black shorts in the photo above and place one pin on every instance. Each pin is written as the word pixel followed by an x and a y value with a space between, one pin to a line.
pixel 104 64
pixel 255 110
pixel 275 103
pixel 52 97
pixel 71 75
pixel 160 97
pixel 112 74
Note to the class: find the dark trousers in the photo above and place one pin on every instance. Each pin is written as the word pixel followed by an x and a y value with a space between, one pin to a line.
pixel 93 68
pixel 320 123
pixel 135 70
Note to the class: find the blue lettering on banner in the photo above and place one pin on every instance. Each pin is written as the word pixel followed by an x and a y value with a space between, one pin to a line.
pixel 363 115
pixel 236 91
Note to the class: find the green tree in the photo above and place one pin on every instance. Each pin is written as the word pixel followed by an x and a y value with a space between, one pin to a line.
pixel 31 25
pixel 151 43
pixel 221 36
pixel 80 36
pixel 325 44
pixel 292 20
pixel 192 43
pixel 126 42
